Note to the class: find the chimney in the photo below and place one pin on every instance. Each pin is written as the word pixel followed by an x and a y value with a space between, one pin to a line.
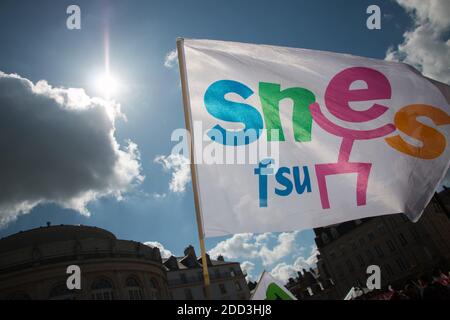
pixel 220 258
pixel 190 251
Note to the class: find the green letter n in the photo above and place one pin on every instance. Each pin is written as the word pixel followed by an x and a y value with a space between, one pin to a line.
pixel 271 95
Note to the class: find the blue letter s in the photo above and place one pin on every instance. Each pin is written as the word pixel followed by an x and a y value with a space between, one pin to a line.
pixel 226 110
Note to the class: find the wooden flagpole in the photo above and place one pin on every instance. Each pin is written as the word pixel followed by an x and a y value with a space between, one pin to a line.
pixel 188 123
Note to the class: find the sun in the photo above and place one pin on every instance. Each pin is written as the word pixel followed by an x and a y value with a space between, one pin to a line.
pixel 107 85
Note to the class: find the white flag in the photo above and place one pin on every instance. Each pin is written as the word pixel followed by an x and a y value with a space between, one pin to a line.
pixel 270 289
pixel 326 137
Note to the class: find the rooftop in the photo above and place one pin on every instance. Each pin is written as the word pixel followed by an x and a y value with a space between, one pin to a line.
pixel 50 233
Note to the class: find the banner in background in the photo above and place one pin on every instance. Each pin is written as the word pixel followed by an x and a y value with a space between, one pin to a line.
pixel 270 289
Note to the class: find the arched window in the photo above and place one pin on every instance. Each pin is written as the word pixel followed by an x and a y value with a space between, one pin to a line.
pixel 134 289
pixel 61 292
pixel 155 293
pixel 102 289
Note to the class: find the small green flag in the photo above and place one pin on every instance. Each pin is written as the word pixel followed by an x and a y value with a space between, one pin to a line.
pixel 270 289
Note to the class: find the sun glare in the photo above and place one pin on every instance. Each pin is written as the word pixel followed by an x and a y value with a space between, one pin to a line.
pixel 107 85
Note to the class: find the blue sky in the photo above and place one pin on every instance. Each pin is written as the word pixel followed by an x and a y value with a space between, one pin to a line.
pixel 37 45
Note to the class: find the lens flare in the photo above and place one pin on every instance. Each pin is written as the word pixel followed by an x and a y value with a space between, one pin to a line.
pixel 107 85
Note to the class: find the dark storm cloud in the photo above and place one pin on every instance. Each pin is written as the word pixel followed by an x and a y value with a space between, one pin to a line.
pixel 57 145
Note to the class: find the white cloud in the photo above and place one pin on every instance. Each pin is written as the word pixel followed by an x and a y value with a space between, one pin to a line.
pixel 181 171
pixel 312 259
pixel 284 247
pixel 171 59
pixel 164 252
pixel 435 11
pixel 427 46
pixel 159 195
pixel 263 237
pixel 240 245
pixel 58 146
pixel 248 267
pixel 249 246
pixel 267 249
pixel 283 271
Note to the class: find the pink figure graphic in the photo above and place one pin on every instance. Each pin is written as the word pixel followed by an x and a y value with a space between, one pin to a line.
pixel 338 105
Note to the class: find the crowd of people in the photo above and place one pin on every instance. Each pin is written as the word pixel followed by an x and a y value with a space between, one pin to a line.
pixel 427 287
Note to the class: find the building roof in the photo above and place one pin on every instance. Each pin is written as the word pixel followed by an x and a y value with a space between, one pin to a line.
pixel 50 234
pixel 191 261
pixel 182 266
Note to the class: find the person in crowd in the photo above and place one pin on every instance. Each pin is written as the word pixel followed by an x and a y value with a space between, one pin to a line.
pixel 396 294
pixel 433 290
pixel 412 291
pixel 439 276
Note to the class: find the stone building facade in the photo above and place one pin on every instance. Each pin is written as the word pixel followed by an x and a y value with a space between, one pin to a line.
pixel 33 265
pixel 403 250
pixel 185 278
